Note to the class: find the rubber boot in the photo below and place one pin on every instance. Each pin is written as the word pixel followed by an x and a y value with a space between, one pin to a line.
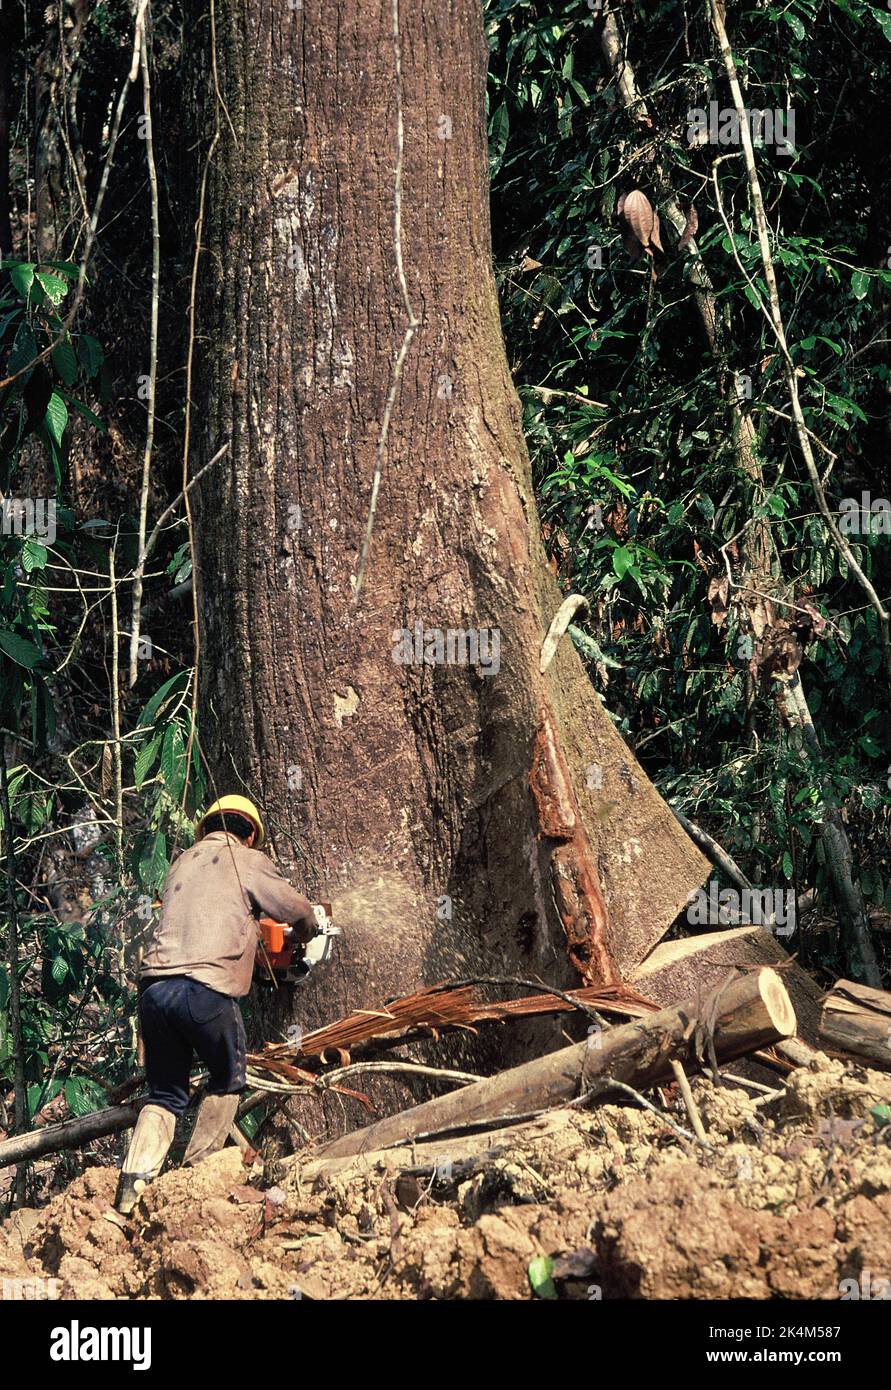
pixel 216 1115
pixel 152 1138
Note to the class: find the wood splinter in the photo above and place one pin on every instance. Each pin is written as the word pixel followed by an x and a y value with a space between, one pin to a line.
pixel 576 603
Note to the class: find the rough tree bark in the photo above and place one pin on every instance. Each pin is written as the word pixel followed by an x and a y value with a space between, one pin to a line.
pixel 462 822
pixel 6 39
pixel 58 162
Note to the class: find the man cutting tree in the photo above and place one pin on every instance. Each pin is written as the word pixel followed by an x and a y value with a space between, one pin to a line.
pixel 198 964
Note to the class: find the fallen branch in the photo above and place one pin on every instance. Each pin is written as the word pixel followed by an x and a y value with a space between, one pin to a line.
pixel 796 1052
pixel 74 1133
pixel 680 1077
pixel 710 847
pixel 457 1078
pixel 608 1084
pixel 725 861
pixel 69 1134
pixel 745 1013
pixel 696 964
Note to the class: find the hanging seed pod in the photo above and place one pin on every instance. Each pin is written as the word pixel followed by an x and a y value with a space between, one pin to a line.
pixel 640 223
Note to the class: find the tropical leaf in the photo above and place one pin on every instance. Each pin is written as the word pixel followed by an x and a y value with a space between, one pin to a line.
pixel 56 419
pixel 20 650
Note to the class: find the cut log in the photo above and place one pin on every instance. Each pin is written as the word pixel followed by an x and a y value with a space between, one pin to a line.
pixel 462 1156
pixel 696 964
pixel 747 1012
pixel 857 1019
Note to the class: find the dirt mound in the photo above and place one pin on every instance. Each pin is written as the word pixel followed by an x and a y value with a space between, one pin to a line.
pixel 792 1197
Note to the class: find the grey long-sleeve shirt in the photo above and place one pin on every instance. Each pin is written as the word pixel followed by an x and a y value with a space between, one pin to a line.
pixel 207 928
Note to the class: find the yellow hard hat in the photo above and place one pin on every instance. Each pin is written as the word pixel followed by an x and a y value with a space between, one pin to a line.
pixel 243 807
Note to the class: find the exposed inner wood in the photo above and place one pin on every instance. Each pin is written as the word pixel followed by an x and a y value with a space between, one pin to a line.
pixel 677 968
pixel 574 878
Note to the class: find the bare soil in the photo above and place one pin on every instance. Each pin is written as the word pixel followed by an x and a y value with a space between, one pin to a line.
pixel 793 1197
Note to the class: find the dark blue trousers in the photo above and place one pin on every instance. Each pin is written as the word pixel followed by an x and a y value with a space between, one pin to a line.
pixel 179 1016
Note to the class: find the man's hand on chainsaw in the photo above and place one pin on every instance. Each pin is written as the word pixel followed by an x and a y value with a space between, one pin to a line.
pixel 304 931
pixel 277 936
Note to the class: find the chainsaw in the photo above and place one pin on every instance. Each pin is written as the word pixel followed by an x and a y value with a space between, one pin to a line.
pixel 291 961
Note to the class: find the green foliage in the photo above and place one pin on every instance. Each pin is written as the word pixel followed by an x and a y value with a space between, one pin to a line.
pixel 74 965
pixel 639 479
pixel 37 402
pixel 63 965
pixel 641 492
pixel 69 967
pixel 161 746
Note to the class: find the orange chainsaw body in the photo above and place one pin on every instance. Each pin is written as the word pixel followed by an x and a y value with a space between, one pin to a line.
pixel 278 939
pixel 278 947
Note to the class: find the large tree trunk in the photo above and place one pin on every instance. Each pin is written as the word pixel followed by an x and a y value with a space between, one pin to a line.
pixel 401 791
